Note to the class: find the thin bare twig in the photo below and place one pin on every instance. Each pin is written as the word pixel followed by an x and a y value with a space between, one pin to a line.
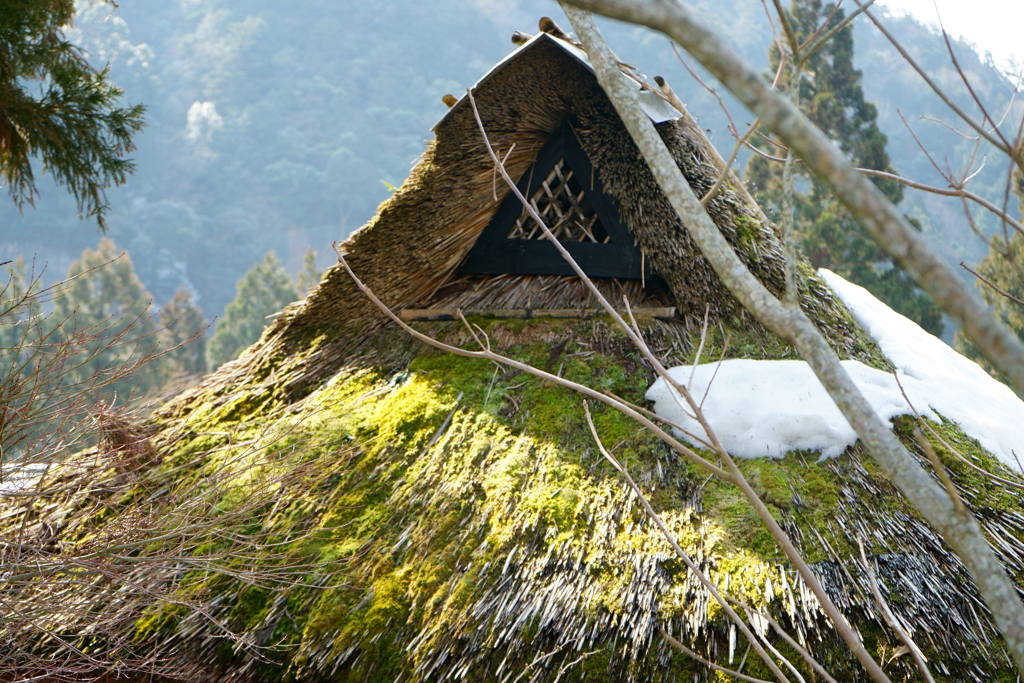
pixel 710 194
pixel 951 128
pixel 941 471
pixel 700 347
pixel 705 581
pixel 890 618
pixel 837 28
pixel 761 153
pixel 792 293
pixel 714 93
pixel 811 661
pixel 787 28
pixel 623 406
pixel 948 447
pixel 687 651
pixel 947 192
pixel 993 286
pixel 726 171
pixel 970 88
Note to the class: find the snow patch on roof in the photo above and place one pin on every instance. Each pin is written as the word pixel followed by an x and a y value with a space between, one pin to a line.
pixel 766 408
pixel 956 387
pixel 762 408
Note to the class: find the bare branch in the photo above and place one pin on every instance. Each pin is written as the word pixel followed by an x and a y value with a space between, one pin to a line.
pixel 623 406
pixel 705 581
pixel 974 95
pixel 962 531
pixel 787 28
pixel 946 176
pixel 991 285
pixel 787 321
pixel 811 661
pixel 940 470
pixel 980 129
pixel 866 202
pixel 835 29
pixel 945 444
pixel 685 650
pixel 789 238
pixel 706 199
pixel 948 192
pixel 953 129
pixel 890 618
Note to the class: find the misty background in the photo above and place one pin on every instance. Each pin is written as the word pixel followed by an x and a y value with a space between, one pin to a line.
pixel 280 126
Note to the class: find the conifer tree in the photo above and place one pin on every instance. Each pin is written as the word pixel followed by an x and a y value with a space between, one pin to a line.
pixel 55 108
pixel 182 335
pixel 829 92
pixel 264 290
pixel 104 299
pixel 309 276
pixel 1003 267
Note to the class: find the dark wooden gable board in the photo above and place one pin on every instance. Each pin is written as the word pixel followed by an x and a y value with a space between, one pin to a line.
pixel 496 254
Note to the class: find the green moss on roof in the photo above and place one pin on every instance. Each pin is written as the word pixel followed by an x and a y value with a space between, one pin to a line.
pixel 461 523
pixel 504 534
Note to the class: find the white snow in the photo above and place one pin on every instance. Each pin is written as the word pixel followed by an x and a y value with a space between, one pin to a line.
pixel 762 408
pixel 16 477
pixel 954 386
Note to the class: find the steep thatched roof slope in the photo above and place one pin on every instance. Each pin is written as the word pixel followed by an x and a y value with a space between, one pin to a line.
pixel 483 538
pixel 415 244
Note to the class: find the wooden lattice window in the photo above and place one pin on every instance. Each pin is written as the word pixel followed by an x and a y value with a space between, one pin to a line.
pixel 564 189
pixel 563 204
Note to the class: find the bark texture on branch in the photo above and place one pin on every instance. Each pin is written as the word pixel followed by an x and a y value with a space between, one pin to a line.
pixel 865 201
pixel 961 531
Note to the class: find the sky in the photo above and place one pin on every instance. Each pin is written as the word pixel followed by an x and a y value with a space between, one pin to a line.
pixel 993 25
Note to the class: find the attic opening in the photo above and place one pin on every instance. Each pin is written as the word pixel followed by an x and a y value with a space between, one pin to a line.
pixel 514 271
pixel 565 190
pixel 563 205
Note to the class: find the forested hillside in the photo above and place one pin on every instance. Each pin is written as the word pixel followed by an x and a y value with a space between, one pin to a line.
pixel 282 126
pixel 222 461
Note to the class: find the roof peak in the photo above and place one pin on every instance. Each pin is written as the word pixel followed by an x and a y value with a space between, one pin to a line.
pixel 656 105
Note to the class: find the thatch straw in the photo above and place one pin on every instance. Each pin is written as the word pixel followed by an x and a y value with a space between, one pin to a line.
pixel 410 252
pixel 602 580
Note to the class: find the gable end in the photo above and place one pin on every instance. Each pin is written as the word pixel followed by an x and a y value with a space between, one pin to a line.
pixel 563 184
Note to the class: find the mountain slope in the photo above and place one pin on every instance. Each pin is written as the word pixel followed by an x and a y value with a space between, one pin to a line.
pixel 277 126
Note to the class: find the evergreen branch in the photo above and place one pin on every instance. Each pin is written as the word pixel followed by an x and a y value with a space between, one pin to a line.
pixel 71 125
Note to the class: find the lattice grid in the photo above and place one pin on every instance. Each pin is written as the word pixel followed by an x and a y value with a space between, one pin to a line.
pixel 563 205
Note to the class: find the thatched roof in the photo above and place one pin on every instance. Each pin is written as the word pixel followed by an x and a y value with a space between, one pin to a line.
pixel 486 539
pixel 411 251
